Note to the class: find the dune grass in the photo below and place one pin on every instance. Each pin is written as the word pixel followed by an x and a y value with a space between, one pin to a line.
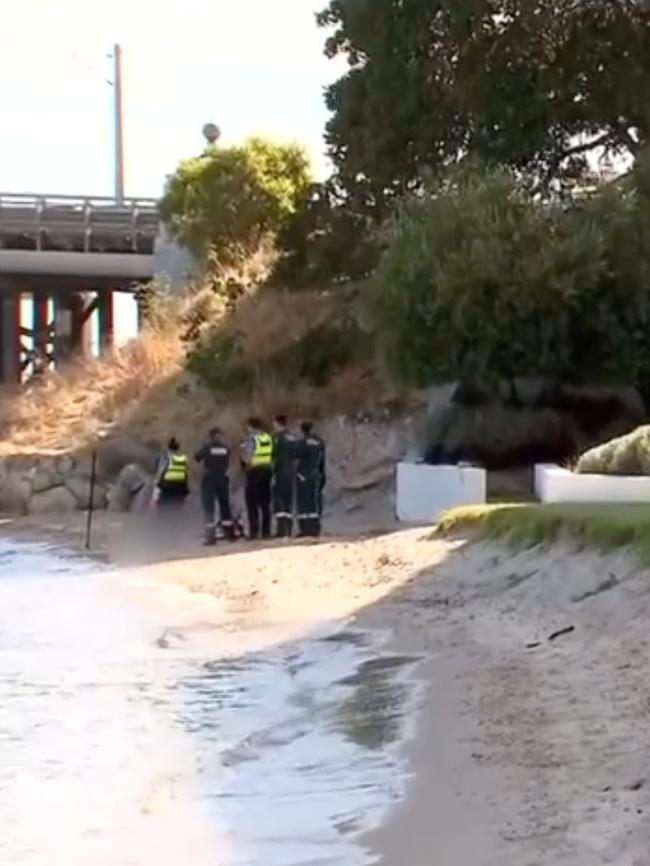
pixel 603 527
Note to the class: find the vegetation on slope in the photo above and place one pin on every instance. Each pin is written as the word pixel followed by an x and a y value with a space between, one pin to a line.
pixel 603 527
pixel 198 362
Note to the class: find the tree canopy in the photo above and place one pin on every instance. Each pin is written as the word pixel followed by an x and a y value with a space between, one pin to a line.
pixel 226 201
pixel 534 84
pixel 482 281
pixel 325 242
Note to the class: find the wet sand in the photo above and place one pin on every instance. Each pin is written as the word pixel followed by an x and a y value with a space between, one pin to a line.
pixel 528 751
pixel 142 726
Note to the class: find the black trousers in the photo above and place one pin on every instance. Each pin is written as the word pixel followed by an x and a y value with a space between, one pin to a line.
pixel 258 501
pixel 215 491
pixel 283 493
pixel 308 498
pixel 172 496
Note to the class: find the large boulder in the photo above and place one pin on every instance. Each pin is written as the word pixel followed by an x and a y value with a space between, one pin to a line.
pixel 141 502
pixel 130 482
pixel 362 455
pixel 625 455
pixel 58 500
pixel 15 493
pixel 117 453
pixel 45 475
pixel 80 489
pixel 498 436
pixel 527 421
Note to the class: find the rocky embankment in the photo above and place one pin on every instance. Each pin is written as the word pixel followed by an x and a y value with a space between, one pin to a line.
pixel 361 457
pixel 59 483
pixel 532 422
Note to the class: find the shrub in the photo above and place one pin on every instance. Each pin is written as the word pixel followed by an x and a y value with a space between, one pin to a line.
pixel 304 338
pixel 479 281
pixel 224 204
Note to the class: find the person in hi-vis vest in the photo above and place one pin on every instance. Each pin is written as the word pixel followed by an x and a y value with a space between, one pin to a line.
pixel 257 460
pixel 172 480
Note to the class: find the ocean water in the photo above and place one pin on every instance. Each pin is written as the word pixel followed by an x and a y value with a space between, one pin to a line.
pixel 134 733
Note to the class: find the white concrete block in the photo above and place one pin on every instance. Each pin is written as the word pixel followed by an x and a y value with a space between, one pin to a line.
pixel 424 492
pixel 554 484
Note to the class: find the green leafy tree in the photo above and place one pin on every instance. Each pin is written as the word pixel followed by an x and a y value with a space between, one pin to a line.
pixel 326 242
pixel 535 84
pixel 224 203
pixel 611 333
pixel 481 282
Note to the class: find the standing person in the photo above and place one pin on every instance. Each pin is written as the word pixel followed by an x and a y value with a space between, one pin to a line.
pixel 257 458
pixel 284 447
pixel 215 485
pixel 310 481
pixel 172 478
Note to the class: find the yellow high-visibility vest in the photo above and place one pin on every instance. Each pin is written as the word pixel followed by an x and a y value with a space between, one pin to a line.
pixel 177 471
pixel 263 450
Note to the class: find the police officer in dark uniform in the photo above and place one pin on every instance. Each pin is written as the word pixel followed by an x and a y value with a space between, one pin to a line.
pixel 310 481
pixel 215 485
pixel 284 447
pixel 257 459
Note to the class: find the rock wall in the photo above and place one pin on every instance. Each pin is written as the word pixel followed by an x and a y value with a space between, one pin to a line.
pixel 362 454
pixel 529 423
pixel 59 483
pixel 40 484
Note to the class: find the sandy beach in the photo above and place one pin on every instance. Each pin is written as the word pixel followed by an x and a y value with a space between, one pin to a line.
pixel 531 744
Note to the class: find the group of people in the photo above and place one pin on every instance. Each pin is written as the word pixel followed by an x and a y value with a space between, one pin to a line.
pixel 285 476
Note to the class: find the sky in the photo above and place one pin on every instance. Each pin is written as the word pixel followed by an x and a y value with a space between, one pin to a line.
pixel 250 66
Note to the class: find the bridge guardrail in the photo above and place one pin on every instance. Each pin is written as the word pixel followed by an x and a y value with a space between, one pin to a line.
pixel 81 223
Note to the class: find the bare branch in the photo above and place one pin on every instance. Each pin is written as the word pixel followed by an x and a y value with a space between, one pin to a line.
pixel 586 146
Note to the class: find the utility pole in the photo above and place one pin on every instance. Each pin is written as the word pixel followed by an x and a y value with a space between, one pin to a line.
pixel 119 128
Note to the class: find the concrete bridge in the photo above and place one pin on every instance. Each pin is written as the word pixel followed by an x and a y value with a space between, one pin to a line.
pixel 69 254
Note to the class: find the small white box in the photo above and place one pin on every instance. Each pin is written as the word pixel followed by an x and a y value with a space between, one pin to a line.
pixel 424 491
pixel 554 484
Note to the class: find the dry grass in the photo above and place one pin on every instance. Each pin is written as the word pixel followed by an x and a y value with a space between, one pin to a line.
pixel 67 409
pixel 142 390
pixel 269 322
pixel 625 455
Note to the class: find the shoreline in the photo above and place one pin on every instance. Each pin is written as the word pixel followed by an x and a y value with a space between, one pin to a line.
pixel 526 749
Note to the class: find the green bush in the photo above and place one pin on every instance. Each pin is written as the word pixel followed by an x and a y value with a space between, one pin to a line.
pixel 223 204
pixel 326 242
pixel 321 353
pixel 218 363
pixel 481 281
pixel 314 359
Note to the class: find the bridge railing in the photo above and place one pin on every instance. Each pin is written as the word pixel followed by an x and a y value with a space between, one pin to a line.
pixel 77 223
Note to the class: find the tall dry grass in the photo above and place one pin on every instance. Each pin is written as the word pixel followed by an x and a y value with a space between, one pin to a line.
pixel 142 390
pixel 66 409
pixel 268 322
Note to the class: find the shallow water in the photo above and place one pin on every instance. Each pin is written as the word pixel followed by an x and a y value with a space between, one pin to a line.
pixel 131 734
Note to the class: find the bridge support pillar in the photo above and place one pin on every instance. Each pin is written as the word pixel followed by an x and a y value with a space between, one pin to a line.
pixel 106 319
pixel 82 305
pixel 42 333
pixel 10 338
